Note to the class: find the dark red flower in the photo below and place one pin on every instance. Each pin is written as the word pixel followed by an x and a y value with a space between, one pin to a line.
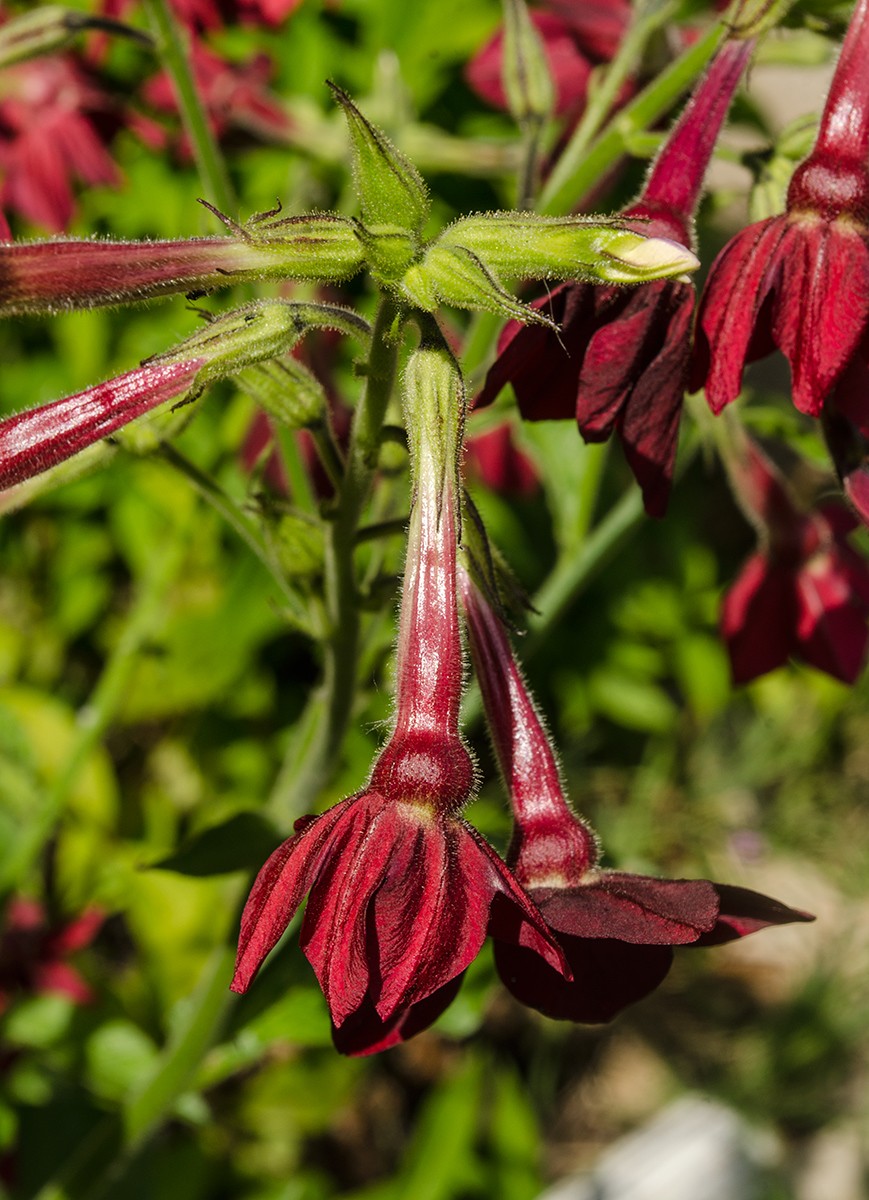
pixel 494 458
pixel 805 592
pixel 236 96
pixel 34 952
pixel 616 929
pixel 401 890
pixel 48 137
pixel 800 281
pixel 620 358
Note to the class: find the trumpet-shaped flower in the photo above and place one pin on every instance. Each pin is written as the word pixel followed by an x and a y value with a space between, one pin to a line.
pixel 616 929
pixel 619 359
pixel 401 890
pixel 800 281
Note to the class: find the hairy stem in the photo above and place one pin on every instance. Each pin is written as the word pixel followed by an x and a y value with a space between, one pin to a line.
pixel 314 756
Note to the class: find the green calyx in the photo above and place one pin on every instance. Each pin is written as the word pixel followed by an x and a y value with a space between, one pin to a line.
pixel 257 333
pixel 434 410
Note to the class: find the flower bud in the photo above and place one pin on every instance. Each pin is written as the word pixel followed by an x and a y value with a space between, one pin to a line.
pixel 390 188
pixel 286 390
pixel 525 71
pixel 534 247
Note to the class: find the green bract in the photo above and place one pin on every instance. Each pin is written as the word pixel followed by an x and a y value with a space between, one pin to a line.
pixel 390 188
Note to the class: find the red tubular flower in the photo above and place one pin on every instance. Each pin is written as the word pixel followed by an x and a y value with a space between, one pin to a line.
pixel 402 890
pixel 616 929
pixel 40 438
pixel 805 592
pixel 620 360
pixel 48 136
pixel 800 281
pixel 33 952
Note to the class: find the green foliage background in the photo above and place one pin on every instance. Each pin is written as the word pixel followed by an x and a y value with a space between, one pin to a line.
pixel 151 689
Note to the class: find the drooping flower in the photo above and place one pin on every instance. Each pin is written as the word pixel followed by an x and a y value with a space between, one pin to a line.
pixel 34 952
pixel 616 929
pixel 805 591
pixel 401 890
pixel 800 281
pixel 620 358
pixel 49 136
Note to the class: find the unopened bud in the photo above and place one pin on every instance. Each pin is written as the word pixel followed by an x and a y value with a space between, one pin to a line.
pixel 390 188
pixel 287 390
pixel 525 72
pixel 535 247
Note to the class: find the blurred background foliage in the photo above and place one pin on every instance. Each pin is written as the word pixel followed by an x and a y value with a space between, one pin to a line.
pixel 151 688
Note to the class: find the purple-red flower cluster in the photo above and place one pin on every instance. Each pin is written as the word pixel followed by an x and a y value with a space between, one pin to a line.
pixel 577 35
pixel 401 890
pixel 800 281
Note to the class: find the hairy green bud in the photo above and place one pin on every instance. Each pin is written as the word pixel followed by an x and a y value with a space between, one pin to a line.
pixel 535 247
pixel 525 68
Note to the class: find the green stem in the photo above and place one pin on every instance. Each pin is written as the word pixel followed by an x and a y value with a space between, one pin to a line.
pixel 300 484
pixel 206 153
pixel 578 169
pixel 328 714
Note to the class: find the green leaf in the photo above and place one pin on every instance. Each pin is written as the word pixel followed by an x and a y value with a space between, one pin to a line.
pixel 242 843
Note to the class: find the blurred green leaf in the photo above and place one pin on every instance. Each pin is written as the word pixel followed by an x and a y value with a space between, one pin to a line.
pixel 244 842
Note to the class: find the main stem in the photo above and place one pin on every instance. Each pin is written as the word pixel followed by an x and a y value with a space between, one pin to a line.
pixel 304 775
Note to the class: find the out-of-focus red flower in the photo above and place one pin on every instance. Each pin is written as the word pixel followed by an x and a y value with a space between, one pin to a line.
pixel 235 96
pixel 401 890
pixel 576 35
pixel 616 929
pixel 495 459
pixel 34 952
pixel 800 281
pixel 48 137
pixel 805 592
pixel 212 14
pixel 260 435
pixel 570 68
pixel 620 357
